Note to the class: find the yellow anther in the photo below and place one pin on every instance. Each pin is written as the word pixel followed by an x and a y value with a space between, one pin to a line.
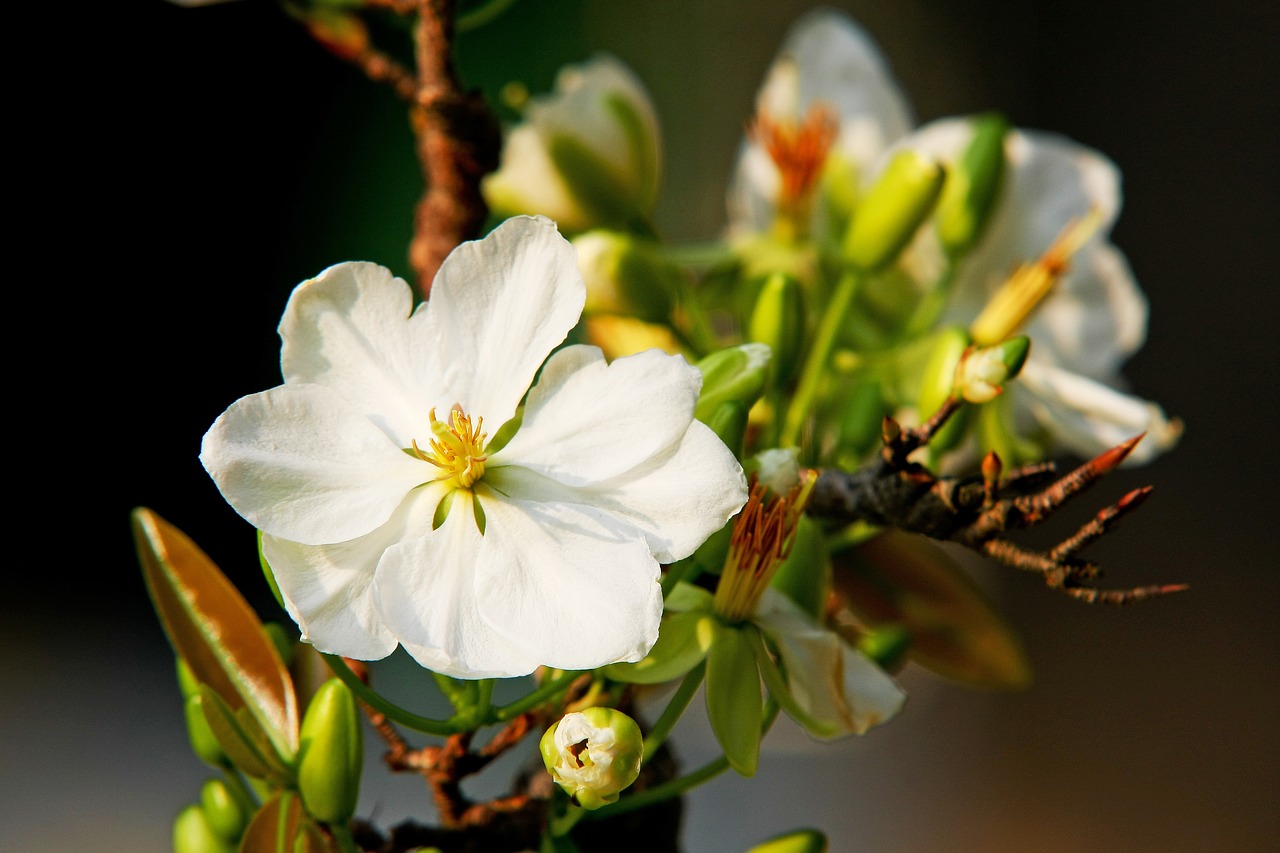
pixel 457 449
pixel 1027 288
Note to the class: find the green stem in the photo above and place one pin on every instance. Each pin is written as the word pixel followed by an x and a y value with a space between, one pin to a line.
pixel 392 711
pixel 483 15
pixel 819 354
pixel 673 712
pixel 934 302
pixel 342 835
pixel 461 694
pixel 545 691
pixel 699 255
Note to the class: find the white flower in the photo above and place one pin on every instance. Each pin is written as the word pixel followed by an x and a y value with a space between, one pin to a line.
pixel 587 155
pixel 391 517
pixel 1096 316
pixel 593 755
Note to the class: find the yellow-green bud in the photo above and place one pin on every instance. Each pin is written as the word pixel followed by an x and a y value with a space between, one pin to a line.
pixel 593 755
pixel 625 275
pixel 331 754
pixel 938 383
pixel 187 681
pixel 729 423
pixel 736 373
pixel 778 320
pixel 982 372
pixel 892 210
pixel 972 185
pixel 203 741
pixel 192 833
pixel 225 814
pixel 796 841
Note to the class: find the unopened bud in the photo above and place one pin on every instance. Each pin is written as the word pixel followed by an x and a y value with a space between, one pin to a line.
pixel 331 754
pixel 625 276
pixel 593 755
pixel 796 841
pixel 860 421
pixel 203 741
pixel 736 373
pixel 192 833
pixel 225 814
pixel 778 320
pixel 982 372
pixel 892 210
pixel 729 423
pixel 972 185
pixel 937 384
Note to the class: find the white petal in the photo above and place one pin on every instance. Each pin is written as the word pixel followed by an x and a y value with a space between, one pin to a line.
pixel 1088 417
pixel 830 680
pixel 497 308
pixel 426 589
pixel 328 589
pixel 675 499
pixel 299 463
pixel 572 587
pixel 349 328
pixel 589 420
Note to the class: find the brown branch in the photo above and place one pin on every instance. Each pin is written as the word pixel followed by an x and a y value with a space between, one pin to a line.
pixel 896 492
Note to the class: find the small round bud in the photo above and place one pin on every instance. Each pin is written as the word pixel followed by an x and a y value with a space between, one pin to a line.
pixel 203 741
pixel 331 754
pixel 192 833
pixel 982 372
pixel 937 384
pixel 892 210
pixel 225 814
pixel 593 755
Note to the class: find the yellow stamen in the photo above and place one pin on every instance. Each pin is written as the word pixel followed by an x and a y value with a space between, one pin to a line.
pixel 1027 288
pixel 457 449
pixel 763 534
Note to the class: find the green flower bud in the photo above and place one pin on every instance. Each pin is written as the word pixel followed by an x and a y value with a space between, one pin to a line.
pixel 225 814
pixel 729 423
pixel 892 210
pixel 982 372
pixel 736 373
pixel 972 186
pixel 187 681
pixel 203 741
pixel 796 841
pixel 625 275
pixel 192 833
pixel 593 755
pixel 860 422
pixel 331 754
pixel 938 383
pixel 778 320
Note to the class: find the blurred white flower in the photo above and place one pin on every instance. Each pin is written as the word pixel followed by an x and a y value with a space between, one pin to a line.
pixel 587 155
pixel 389 514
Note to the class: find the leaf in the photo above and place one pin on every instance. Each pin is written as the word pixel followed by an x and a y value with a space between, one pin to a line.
pixel 734 703
pixel 215 631
pixel 902 579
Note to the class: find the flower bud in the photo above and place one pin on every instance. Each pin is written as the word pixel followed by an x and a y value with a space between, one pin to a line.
pixel 588 154
pixel 593 755
pixel 796 841
pixel 225 814
pixel 938 383
pixel 972 185
pixel 892 210
pixel 736 373
pixel 192 833
pixel 729 423
pixel 860 422
pixel 778 320
pixel 331 754
pixel 626 276
pixel 203 741
pixel 982 372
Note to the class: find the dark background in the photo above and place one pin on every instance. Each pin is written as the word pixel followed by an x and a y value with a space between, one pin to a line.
pixel 182 169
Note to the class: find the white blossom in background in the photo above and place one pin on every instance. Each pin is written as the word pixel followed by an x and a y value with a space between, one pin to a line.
pixel 389 514
pixel 1096 316
pixel 587 155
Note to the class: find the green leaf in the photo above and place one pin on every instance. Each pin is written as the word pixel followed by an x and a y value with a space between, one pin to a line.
pixel 901 579
pixel 734 699
pixel 214 630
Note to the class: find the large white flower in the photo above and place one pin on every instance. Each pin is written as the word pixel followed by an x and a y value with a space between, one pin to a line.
pixel 391 517
pixel 1087 327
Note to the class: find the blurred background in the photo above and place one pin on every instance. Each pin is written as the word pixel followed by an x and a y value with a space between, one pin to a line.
pixel 193 165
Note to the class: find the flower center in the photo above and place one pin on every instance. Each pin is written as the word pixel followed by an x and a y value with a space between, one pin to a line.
pixel 456 449
pixel 763 534
pixel 799 151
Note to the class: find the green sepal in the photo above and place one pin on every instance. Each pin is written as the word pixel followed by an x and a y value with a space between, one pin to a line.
pixel 591 181
pixel 795 841
pixel 734 697
pixel 243 740
pixel 735 374
pixel 972 185
pixel 193 834
pixel 269 574
pixel 892 210
pixel 683 641
pixel 778 321
pixel 331 754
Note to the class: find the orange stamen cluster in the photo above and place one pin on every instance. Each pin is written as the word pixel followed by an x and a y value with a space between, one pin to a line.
pixel 799 150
